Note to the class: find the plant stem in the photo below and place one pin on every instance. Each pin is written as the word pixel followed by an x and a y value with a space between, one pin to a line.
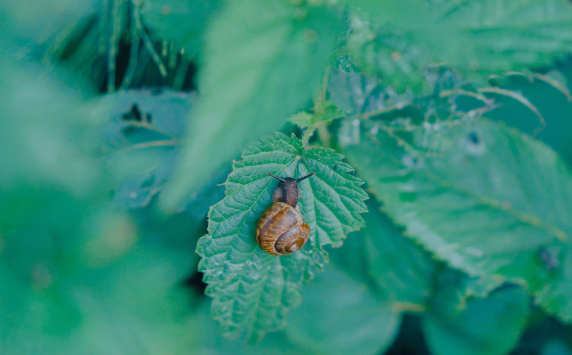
pixel 307 135
pixel 324 135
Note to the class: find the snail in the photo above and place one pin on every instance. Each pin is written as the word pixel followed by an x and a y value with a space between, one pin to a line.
pixel 281 230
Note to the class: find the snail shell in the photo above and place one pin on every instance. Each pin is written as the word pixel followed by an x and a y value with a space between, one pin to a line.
pixel 281 230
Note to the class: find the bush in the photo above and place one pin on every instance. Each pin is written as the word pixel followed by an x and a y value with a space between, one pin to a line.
pixel 137 141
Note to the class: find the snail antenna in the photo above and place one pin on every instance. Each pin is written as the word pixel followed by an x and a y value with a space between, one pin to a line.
pixel 276 177
pixel 305 177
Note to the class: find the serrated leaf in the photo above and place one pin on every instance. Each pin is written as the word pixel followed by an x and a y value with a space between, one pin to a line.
pixel 327 113
pixel 488 326
pixel 494 203
pixel 254 76
pixel 253 290
pixel 340 315
pixel 403 273
pixel 478 37
pixel 553 102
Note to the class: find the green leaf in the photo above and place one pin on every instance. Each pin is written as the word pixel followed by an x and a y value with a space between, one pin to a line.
pixel 253 290
pixel 182 22
pixel 402 271
pixel 478 37
pixel 328 113
pixel 263 61
pixel 342 316
pixel 494 202
pixel 145 137
pixel 70 263
pixel 488 326
pixel 357 94
pixel 205 339
pixel 453 288
pixel 550 97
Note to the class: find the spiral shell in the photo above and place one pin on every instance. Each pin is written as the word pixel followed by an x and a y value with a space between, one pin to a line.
pixel 281 230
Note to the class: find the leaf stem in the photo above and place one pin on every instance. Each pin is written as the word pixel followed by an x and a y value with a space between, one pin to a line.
pixel 134 53
pixel 307 135
pixel 324 135
pixel 149 45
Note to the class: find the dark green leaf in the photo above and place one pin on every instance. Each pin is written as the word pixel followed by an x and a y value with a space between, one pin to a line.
pixel 488 326
pixel 402 271
pixel 342 316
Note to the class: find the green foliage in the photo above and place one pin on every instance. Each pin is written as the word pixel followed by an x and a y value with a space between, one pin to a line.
pixel 255 76
pixel 487 325
pixel 252 289
pixel 395 260
pixel 478 37
pixel 484 181
pixel 364 324
pixel 119 121
pixel 70 264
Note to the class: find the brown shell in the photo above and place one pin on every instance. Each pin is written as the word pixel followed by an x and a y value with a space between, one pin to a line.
pixel 281 230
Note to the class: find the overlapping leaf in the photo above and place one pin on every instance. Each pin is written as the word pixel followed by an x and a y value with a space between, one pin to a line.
pixel 474 36
pixel 253 290
pixel 145 136
pixel 494 203
pixel 340 315
pixel 402 271
pixel 488 326
pixel 263 61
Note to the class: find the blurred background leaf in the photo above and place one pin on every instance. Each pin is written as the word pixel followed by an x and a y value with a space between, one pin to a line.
pixel 263 61
pixel 478 37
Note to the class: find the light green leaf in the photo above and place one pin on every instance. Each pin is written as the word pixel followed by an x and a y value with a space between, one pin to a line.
pixel 357 94
pixel 71 265
pixel 340 315
pixel 253 290
pixel 263 61
pixel 328 113
pixel 494 202
pixel 488 326
pixel 478 37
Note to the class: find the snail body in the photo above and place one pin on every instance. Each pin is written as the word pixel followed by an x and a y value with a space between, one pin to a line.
pixel 281 230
